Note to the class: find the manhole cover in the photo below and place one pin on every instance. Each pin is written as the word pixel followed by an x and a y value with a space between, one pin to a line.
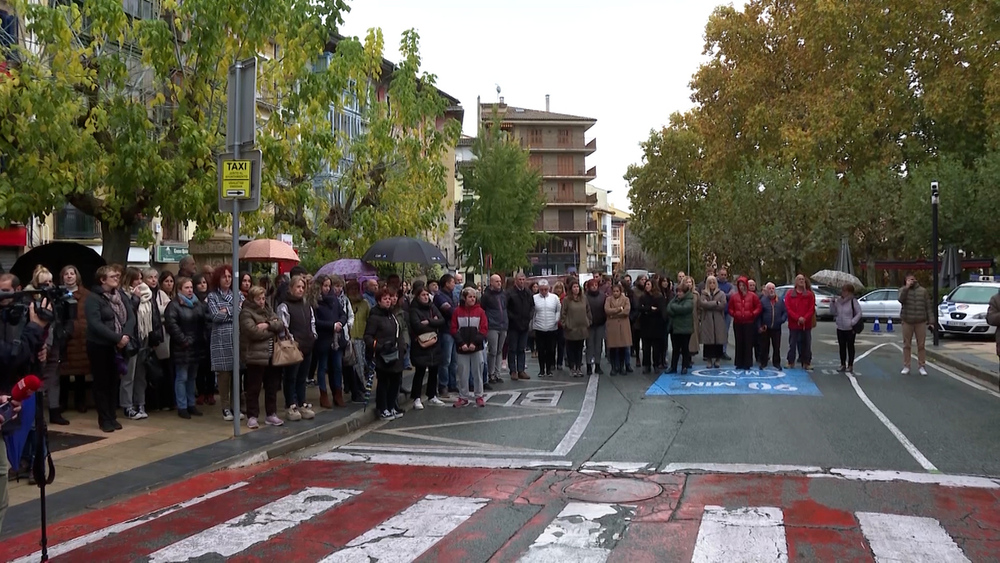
pixel 613 490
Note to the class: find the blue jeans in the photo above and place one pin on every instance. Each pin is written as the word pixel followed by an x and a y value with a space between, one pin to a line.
pixel 447 370
pixel 517 343
pixel 184 384
pixel 328 359
pixel 294 387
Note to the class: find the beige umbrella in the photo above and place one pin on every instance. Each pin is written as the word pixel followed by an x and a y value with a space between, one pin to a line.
pixel 268 250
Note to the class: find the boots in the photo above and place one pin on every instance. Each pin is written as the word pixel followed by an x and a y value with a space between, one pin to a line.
pixel 324 400
pixel 56 417
pixel 338 397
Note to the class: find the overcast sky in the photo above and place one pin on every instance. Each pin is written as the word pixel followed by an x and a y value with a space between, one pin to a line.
pixel 625 63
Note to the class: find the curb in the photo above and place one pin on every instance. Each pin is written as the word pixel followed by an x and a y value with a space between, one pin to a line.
pixel 992 380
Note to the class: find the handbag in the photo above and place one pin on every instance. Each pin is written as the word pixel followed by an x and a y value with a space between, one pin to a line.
pixel 286 352
pixel 858 327
pixel 390 357
pixel 350 357
pixel 153 366
pixel 427 339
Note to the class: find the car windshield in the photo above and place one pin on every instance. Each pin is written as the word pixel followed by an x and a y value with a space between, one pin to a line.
pixel 977 295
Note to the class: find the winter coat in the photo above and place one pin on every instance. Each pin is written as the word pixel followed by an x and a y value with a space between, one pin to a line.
pixel 155 336
pixel 161 299
pixel 74 353
pixel 328 312
pixel 520 309
pixel 419 312
pixel 773 313
pixel 221 339
pixel 596 300
pixel 993 316
pixel 494 303
pixel 917 307
pixel 361 311
pixel 681 311
pixel 800 305
pixel 652 316
pixel 469 326
pixel 846 312
pixel 619 327
pixel 257 344
pixel 187 327
pixel 547 310
pixel 694 342
pixel 744 305
pixel 383 335
pixel 101 318
pixel 445 303
pixel 576 318
pixel 712 317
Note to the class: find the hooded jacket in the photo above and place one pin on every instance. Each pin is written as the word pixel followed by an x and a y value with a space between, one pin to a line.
pixel 469 326
pixel 419 312
pixel 744 305
pixel 383 334
pixel 494 303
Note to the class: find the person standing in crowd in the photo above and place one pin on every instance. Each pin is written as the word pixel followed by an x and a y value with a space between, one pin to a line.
pixel 73 355
pixel 846 310
pixel 223 308
pixel 916 313
pixel 559 290
pixel 545 322
pixel 575 318
pixel 148 334
pixel 694 341
pixel 355 380
pixel 259 328
pixel 520 309
pixel 445 302
pixel 494 303
pixel 205 384
pixel 298 318
pixel 383 336
pixel 773 315
pixel 755 347
pixel 681 312
pixel 666 286
pixel 470 328
pixel 42 279
pixel 598 327
pixel 800 302
pixel 426 322
pixel 728 290
pixel 652 325
pixel 161 396
pixel 110 322
pixel 187 267
pixel 246 282
pixel 712 321
pixel 993 316
pixel 744 307
pixel 619 328
pixel 638 292
pixel 332 329
pixel 186 320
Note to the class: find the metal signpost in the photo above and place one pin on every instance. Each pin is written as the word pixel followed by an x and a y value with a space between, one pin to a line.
pixel 239 185
pixel 935 200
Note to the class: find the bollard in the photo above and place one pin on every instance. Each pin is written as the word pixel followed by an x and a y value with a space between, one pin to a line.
pixel 875 327
pixel 888 325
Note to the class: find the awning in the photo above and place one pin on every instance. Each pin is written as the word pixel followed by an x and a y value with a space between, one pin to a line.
pixel 14 235
pixel 136 256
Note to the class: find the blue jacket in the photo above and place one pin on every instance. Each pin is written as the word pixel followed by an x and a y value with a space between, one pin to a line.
pixel 773 314
pixel 440 298
pixel 495 305
pixel 329 312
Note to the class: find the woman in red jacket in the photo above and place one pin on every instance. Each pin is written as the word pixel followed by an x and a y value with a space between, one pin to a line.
pixel 469 328
pixel 800 303
pixel 744 307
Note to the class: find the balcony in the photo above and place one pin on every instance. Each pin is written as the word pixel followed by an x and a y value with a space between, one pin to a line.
pixel 578 174
pixel 568 200
pixel 591 225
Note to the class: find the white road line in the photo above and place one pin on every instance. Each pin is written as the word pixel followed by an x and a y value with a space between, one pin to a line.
pixel 908 538
pixel 741 535
pixel 582 420
pixel 957 377
pixel 442 461
pixel 580 533
pixel 76 543
pixel 739 468
pixel 407 535
pixel 869 351
pixel 907 444
pixel 959 481
pixel 618 467
pixel 242 532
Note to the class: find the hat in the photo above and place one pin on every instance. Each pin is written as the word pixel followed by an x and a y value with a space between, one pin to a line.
pixel 543 283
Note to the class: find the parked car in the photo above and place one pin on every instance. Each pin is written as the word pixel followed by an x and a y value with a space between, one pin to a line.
pixel 881 303
pixel 963 311
pixel 824 298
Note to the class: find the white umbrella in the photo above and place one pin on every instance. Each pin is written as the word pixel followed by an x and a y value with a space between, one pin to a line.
pixel 836 278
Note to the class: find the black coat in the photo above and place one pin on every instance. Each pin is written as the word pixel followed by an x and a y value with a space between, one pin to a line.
pixel 653 324
pixel 430 356
pixel 383 334
pixel 187 327
pixel 520 308
pixel 101 318
pixel 328 313
pixel 155 337
pixel 597 314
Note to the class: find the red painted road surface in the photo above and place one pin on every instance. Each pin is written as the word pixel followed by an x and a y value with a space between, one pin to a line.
pixel 525 514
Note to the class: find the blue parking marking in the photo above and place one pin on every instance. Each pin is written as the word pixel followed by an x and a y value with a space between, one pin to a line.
pixel 731 381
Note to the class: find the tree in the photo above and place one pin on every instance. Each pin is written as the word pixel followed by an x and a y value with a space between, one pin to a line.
pixel 122 114
pixel 502 202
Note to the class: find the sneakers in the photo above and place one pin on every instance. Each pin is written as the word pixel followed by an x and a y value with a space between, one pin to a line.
pixel 227 415
pixel 461 403
pixel 434 401
pixel 396 414
pixel 142 412
pixel 905 371
pixel 252 423
pixel 480 402
pixel 418 405
pixel 132 414
pixel 922 371
pixel 293 413
pixel 273 420
pixel 386 415
pixel 307 412
pixel 842 369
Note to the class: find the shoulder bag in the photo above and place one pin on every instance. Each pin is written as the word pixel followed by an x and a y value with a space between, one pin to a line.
pixel 858 327
pixel 286 352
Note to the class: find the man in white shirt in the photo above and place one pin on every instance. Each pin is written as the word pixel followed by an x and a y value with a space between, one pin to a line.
pixel 545 322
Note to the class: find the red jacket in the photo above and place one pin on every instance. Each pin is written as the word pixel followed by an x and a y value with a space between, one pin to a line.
pixel 469 326
pixel 800 306
pixel 744 305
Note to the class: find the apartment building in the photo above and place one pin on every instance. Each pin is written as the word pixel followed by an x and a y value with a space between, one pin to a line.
pixel 558 149
pixel 619 229
pixel 599 241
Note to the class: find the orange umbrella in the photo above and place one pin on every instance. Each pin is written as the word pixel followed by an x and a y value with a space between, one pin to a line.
pixel 268 250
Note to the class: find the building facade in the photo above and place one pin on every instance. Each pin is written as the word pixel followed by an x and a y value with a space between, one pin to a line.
pixel 558 149
pixel 619 224
pixel 599 241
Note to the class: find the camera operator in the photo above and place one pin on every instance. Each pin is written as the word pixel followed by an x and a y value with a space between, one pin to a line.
pixel 21 344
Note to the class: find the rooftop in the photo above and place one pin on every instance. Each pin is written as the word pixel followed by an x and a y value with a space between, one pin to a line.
pixel 512 113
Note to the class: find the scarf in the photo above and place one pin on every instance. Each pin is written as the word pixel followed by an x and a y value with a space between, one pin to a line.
pixel 184 299
pixel 118 306
pixel 145 313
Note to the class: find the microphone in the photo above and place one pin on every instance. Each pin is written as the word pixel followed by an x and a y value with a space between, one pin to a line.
pixel 24 388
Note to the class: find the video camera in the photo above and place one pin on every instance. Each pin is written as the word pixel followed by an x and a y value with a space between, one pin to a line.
pixel 14 305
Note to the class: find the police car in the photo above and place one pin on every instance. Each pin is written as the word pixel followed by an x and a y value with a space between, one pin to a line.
pixel 963 311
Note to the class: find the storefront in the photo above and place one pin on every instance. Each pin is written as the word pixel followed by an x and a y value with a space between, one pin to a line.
pixel 13 239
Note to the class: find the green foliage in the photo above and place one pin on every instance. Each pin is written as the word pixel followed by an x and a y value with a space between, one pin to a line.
pixel 502 202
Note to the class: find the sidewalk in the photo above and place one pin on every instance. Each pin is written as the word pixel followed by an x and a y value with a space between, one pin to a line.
pixel 975 357
pixel 93 467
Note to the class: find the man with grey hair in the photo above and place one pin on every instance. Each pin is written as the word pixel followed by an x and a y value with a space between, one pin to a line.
pixel 494 303
pixel 186 268
pixel 772 316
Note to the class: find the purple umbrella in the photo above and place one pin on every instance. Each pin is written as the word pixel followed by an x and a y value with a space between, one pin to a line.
pixel 348 268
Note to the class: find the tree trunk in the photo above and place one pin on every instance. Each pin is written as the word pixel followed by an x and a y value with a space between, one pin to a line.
pixel 116 242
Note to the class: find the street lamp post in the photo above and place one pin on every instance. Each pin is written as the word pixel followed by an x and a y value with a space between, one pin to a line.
pixel 689 247
pixel 935 200
pixel 545 251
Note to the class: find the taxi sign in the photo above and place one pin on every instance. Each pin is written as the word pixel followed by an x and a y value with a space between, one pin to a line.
pixel 236 179
pixel 239 180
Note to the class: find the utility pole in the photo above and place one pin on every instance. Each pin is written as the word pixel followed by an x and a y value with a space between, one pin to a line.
pixel 935 200
pixel 689 247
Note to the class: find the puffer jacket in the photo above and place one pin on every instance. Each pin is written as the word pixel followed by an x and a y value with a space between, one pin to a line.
pixel 494 303
pixel 744 305
pixel 187 329
pixel 547 311
pixel 576 318
pixel 420 312
pixel 469 326
pixel 361 312
pixel 773 313
pixel 681 311
pixel 916 302
pixel 846 312
pixel 383 334
pixel 257 344
pixel 800 305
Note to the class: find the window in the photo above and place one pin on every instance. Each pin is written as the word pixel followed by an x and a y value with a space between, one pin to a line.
pixel 535 162
pixel 565 165
pixel 8 29
pixel 565 194
pixel 172 231
pixel 564 137
pixel 73 224
pixel 139 9
pixel 535 138
pixel 566 222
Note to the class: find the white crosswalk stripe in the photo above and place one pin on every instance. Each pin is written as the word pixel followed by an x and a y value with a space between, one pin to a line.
pixel 741 535
pixel 582 532
pixel 913 539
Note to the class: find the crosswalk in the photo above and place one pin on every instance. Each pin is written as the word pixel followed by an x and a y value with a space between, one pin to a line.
pixel 409 514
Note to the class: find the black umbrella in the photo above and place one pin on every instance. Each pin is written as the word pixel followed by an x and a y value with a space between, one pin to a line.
pixel 405 250
pixel 55 256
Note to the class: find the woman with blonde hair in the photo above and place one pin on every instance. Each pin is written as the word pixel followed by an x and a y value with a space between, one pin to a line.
pixel 712 320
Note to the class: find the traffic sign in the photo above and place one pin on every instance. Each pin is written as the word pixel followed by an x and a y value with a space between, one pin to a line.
pixel 236 179
pixel 239 180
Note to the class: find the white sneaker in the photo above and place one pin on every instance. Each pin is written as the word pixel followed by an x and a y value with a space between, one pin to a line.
pixel 923 371
pixel 307 413
pixel 436 402
pixel 418 405
pixel 905 371
pixel 293 413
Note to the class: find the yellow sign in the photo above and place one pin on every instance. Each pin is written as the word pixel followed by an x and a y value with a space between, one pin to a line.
pixel 236 179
